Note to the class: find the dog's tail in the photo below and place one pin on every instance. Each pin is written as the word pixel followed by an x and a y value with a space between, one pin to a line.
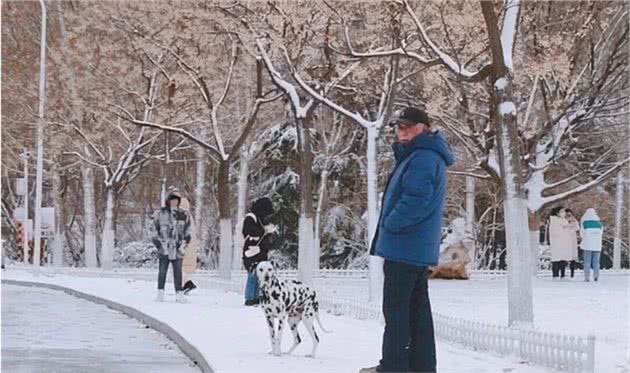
pixel 320 324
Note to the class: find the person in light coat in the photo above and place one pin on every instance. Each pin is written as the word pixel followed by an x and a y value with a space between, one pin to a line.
pixel 189 264
pixel 573 239
pixel 561 235
pixel 591 230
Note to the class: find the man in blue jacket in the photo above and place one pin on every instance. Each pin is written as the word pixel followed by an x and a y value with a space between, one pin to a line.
pixel 408 238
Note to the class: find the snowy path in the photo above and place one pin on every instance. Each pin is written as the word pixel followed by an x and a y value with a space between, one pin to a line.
pixel 234 339
pixel 49 331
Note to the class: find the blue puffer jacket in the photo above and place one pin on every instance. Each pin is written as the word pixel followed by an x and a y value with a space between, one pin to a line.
pixel 410 226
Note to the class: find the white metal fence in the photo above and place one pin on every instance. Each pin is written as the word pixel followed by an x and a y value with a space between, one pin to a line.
pixel 562 352
pixel 362 273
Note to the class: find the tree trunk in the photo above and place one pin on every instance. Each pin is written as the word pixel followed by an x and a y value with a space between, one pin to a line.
pixel 618 222
pixel 89 216
pixel 200 199
pixel 305 224
pixel 58 240
pixel 225 220
pixel 520 303
pixel 376 262
pixel 241 209
pixel 107 245
pixel 317 249
pixel 469 240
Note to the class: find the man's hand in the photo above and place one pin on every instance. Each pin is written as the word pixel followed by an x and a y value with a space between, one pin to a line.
pixel 157 243
pixel 271 228
pixel 253 250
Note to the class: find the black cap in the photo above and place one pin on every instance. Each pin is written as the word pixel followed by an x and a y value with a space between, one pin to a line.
pixel 409 117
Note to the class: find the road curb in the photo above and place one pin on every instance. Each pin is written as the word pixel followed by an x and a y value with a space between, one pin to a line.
pixel 187 348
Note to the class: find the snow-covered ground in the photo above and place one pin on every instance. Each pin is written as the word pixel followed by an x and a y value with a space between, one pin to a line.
pixel 49 331
pixel 235 339
pixel 568 306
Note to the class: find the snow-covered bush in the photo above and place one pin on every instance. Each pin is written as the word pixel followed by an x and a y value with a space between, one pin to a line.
pixel 281 261
pixel 360 262
pixel 136 255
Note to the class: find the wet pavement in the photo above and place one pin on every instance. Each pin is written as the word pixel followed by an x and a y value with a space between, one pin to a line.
pixel 50 331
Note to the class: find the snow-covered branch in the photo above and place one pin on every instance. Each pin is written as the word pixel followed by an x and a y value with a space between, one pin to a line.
pixel 445 59
pixel 288 88
pixel 471 174
pixel 179 131
pixel 546 201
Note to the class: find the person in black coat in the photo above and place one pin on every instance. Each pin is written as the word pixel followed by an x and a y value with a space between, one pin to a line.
pixel 257 244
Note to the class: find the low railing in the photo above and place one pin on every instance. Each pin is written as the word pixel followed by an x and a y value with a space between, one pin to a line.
pixel 562 352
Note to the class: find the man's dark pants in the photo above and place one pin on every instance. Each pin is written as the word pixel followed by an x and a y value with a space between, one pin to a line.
pixel 163 262
pixel 408 341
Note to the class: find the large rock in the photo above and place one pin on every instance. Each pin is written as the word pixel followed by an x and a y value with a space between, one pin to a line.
pixel 452 265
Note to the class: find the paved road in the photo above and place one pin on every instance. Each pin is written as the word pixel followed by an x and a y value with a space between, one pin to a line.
pixel 50 331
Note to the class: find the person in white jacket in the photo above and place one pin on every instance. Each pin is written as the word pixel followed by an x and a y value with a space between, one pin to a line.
pixel 591 230
pixel 561 237
pixel 574 227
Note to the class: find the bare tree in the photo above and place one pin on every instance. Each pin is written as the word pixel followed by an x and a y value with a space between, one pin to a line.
pixel 219 152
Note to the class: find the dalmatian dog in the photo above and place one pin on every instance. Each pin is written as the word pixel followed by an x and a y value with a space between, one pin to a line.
pixel 290 300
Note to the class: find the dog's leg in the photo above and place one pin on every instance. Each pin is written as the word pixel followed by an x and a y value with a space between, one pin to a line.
pixel 272 334
pixel 308 322
pixel 294 320
pixel 281 318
